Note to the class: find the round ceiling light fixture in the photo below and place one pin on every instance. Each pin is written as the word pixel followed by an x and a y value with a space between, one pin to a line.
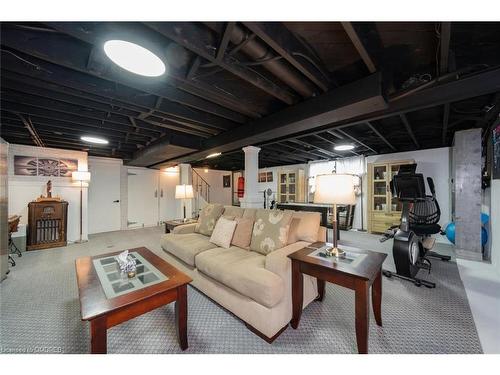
pixel 344 147
pixel 96 140
pixel 134 58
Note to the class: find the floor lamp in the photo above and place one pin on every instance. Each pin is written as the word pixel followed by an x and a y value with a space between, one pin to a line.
pixel 184 192
pixel 334 189
pixel 81 176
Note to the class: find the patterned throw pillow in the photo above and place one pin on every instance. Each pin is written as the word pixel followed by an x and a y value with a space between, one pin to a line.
pixel 270 231
pixel 208 217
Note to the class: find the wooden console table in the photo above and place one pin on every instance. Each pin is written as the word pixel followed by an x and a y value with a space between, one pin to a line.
pixel 363 272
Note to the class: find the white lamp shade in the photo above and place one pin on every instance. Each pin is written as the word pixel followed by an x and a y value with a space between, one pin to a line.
pixel 82 176
pixel 334 189
pixel 184 191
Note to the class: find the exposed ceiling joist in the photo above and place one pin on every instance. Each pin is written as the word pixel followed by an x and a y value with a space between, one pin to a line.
pixel 37 97
pixel 320 149
pixel 356 140
pixel 73 119
pixel 360 47
pixel 357 98
pixel 287 45
pixel 74 56
pixel 178 67
pixel 79 84
pixel 31 129
pixel 445 37
pixel 407 125
pixel 384 139
pixel 69 130
pixel 226 37
pixel 446 119
pixel 325 139
pixel 291 152
pixel 482 83
pixel 191 37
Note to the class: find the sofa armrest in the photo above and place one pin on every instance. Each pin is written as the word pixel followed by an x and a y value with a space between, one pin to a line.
pixel 278 261
pixel 184 229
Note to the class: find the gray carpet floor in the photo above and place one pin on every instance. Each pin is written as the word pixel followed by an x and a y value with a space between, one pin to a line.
pixel 39 311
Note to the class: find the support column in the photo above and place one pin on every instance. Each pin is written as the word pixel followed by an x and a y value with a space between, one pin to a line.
pixel 252 198
pixel 185 178
pixel 467 193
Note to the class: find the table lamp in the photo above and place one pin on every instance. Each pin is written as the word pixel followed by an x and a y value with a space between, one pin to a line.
pixel 82 176
pixel 334 189
pixel 184 192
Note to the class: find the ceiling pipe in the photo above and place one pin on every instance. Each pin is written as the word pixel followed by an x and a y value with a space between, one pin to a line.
pixel 257 50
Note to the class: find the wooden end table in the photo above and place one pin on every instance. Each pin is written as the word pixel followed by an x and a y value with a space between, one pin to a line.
pixel 108 299
pixel 171 224
pixel 358 271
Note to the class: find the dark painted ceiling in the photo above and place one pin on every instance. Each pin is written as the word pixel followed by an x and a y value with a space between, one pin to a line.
pixel 296 89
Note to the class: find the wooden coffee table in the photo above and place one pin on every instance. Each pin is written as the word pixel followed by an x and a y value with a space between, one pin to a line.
pixel 358 271
pixel 108 298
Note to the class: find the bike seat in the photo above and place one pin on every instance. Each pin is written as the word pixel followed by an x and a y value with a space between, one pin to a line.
pixel 425 229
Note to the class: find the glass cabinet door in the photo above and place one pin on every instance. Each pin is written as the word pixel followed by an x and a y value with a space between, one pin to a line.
pixel 396 205
pixel 379 188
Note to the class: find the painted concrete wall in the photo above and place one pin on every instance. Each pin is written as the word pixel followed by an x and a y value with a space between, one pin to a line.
pixel 495 224
pixel 24 189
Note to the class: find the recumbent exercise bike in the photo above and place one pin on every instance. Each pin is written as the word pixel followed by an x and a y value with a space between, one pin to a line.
pixel 419 221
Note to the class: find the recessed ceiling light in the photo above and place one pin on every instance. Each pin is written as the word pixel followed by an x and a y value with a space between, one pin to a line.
pixel 345 147
pixel 100 141
pixel 134 58
pixel 215 154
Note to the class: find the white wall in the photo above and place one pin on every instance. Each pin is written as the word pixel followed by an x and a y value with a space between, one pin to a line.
pixel 24 189
pixel 218 193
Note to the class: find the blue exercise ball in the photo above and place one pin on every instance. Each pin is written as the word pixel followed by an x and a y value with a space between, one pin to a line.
pixel 484 236
pixel 484 218
pixel 450 232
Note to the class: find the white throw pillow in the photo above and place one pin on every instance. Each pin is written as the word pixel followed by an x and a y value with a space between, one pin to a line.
pixel 223 232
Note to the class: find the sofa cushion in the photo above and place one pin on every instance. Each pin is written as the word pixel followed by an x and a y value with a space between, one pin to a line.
pixel 243 232
pixel 249 213
pixel 186 246
pixel 208 217
pixel 233 211
pixel 223 232
pixel 243 271
pixel 270 231
pixel 304 227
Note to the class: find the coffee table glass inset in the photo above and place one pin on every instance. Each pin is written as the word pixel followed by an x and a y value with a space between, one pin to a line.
pixel 116 283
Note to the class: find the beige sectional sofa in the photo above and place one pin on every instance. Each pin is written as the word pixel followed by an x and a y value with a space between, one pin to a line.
pixel 253 286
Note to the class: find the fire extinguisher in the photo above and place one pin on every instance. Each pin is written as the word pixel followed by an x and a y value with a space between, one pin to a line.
pixel 241 187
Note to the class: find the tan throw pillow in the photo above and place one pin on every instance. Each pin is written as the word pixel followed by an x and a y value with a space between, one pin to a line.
pixel 223 232
pixel 208 217
pixel 243 232
pixel 270 231
pixel 304 227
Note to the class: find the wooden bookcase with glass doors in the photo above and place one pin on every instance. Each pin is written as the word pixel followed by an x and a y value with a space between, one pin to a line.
pixel 291 186
pixel 384 210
